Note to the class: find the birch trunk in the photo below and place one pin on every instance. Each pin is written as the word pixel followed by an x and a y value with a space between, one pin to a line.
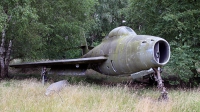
pixel 4 56
pixel 7 59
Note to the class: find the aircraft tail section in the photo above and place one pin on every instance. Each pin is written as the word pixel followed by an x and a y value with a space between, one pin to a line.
pixel 84 46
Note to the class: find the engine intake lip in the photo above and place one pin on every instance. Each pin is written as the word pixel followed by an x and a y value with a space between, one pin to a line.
pixel 161 52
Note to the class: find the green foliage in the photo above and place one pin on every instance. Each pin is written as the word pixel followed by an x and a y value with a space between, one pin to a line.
pixel 182 62
pixel 108 15
pixel 65 24
pixel 19 20
pixel 177 22
pixel 46 29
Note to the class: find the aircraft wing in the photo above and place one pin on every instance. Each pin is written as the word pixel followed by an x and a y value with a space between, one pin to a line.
pixel 61 63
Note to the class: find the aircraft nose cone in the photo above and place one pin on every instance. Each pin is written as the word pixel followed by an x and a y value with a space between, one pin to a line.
pixel 161 52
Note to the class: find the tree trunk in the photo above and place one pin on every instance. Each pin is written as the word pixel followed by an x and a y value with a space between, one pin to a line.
pixel 7 59
pixel 4 56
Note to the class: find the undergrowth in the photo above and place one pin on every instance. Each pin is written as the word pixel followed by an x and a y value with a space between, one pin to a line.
pixel 28 96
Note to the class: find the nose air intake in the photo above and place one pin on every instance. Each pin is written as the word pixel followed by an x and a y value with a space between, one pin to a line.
pixel 161 52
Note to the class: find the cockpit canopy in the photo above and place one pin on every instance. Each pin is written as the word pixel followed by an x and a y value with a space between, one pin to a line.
pixel 121 31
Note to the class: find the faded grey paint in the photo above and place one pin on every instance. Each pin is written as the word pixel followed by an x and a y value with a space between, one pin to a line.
pixel 128 52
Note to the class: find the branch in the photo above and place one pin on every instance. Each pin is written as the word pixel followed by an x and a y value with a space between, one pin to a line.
pixel 9 18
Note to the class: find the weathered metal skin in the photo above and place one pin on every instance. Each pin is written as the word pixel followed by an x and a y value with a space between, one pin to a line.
pixel 122 52
pixel 128 52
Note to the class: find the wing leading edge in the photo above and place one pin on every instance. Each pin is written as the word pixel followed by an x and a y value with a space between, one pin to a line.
pixel 61 62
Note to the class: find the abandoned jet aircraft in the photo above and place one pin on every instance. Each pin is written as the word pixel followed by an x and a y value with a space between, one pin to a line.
pixel 121 53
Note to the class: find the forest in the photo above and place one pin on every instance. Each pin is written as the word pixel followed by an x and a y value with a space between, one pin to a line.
pixel 41 29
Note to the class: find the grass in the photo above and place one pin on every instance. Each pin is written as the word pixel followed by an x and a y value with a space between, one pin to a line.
pixel 29 96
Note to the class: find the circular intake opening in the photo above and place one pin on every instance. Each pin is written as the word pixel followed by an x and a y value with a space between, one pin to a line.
pixel 162 52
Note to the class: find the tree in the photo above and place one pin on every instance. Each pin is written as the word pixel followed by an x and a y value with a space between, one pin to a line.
pixel 108 15
pixel 65 24
pixel 16 17
pixel 177 22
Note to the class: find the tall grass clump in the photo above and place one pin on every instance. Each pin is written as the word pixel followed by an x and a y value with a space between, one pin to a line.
pixel 29 96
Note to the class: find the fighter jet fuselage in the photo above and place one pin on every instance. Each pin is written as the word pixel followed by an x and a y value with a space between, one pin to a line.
pixel 128 52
